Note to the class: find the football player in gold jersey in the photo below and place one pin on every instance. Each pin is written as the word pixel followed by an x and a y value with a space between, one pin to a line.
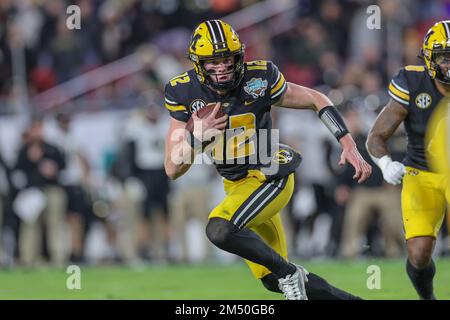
pixel 248 222
pixel 416 92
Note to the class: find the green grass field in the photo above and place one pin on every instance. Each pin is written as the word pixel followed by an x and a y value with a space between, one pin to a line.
pixel 206 282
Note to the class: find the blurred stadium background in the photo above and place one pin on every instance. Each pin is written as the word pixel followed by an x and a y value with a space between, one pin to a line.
pixel 92 99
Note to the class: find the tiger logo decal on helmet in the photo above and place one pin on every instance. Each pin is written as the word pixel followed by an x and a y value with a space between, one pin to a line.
pixel 214 39
pixel 436 48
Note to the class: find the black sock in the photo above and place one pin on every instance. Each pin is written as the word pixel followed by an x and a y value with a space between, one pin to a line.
pixel 248 245
pixel 422 280
pixel 270 282
pixel 317 288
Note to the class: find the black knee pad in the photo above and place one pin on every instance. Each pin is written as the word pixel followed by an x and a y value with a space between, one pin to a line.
pixel 219 230
pixel 270 282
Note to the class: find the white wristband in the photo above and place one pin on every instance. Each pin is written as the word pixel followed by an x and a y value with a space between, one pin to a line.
pixel 383 162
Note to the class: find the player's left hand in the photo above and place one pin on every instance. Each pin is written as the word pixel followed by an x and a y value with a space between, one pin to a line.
pixel 350 154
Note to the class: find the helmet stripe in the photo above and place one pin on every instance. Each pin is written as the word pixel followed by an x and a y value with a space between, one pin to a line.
pixel 446 29
pixel 213 35
pixel 217 33
pixel 221 32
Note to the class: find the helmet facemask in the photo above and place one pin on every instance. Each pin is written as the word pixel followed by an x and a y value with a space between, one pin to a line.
pixel 440 63
pixel 236 70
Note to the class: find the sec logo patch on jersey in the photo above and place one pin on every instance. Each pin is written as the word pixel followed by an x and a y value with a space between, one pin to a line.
pixel 197 104
pixel 423 100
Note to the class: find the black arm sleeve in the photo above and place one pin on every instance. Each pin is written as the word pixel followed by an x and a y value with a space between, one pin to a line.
pixel 333 121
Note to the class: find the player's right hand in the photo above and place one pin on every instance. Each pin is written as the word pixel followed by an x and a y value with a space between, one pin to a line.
pixel 207 127
pixel 393 171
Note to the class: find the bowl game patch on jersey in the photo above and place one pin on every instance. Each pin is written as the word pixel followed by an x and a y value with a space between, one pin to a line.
pixel 256 87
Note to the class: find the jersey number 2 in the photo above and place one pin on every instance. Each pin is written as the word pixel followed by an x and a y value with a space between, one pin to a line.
pixel 238 144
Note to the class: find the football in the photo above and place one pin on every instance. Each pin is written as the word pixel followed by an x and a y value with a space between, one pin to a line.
pixel 202 113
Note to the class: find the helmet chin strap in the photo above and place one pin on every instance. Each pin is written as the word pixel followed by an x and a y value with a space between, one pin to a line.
pixel 219 90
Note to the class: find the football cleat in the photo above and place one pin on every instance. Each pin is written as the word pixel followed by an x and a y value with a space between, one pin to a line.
pixel 293 285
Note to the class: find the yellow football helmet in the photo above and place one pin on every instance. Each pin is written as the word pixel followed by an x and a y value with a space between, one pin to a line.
pixel 436 50
pixel 216 39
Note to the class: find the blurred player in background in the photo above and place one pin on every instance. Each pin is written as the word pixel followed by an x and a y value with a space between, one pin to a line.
pixel 248 222
pixel 74 179
pixel 42 164
pixel 145 150
pixel 415 92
